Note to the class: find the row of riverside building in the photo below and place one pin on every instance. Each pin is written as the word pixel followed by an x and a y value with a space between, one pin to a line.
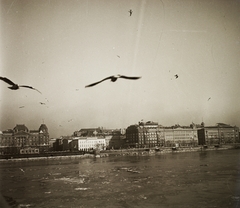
pixel 21 140
pixel 150 134
pixel 91 138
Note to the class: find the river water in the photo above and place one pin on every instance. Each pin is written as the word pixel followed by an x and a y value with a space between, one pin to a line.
pixel 192 179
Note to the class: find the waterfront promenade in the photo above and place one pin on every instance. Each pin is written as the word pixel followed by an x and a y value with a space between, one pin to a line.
pixel 121 152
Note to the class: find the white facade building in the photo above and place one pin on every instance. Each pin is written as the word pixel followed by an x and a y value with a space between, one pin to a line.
pixel 88 143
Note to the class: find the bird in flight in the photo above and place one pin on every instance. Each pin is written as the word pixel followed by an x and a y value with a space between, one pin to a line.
pixel 209 98
pixel 130 12
pixel 42 103
pixel 16 86
pixel 113 79
pixel 176 76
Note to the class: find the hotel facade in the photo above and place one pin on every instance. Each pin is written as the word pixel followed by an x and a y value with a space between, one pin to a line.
pixel 150 134
pixel 87 143
pixel 218 134
pixel 21 140
pixel 143 135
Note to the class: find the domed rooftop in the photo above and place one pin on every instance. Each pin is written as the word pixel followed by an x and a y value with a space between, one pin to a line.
pixel 20 127
pixel 43 128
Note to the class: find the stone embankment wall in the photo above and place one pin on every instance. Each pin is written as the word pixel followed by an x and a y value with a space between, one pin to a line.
pixel 142 152
pixel 50 158
pixel 128 152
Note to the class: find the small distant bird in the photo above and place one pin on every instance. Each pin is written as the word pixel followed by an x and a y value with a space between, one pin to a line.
pixel 113 79
pixel 209 98
pixel 118 56
pixel 22 170
pixel 176 76
pixel 16 86
pixel 21 106
pixel 130 12
pixel 42 103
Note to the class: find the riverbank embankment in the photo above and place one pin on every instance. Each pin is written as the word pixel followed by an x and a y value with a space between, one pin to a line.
pixel 142 151
pixel 129 152
pixel 48 158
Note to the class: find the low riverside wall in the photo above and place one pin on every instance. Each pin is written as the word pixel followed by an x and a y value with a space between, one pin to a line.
pixel 136 151
pixel 128 152
pixel 49 158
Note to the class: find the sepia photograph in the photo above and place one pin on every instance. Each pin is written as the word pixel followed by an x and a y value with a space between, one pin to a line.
pixel 119 103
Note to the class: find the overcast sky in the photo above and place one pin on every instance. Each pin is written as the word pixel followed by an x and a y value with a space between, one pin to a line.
pixel 60 46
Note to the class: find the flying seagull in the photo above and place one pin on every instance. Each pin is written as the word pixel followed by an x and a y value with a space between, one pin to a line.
pixel 42 103
pixel 113 79
pixel 130 12
pixel 176 76
pixel 16 86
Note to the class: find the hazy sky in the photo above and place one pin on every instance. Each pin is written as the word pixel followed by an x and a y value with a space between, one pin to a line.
pixel 59 46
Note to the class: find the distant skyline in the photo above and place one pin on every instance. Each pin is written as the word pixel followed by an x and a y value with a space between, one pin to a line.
pixel 59 47
pixel 106 128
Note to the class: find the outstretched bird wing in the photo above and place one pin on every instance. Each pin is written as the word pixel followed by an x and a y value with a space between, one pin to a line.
pixel 7 80
pixel 30 88
pixel 125 77
pixel 98 82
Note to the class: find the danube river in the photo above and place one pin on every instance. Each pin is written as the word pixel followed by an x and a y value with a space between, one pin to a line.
pixel 190 179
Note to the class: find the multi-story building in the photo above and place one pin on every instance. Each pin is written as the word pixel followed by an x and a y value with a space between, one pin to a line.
pixel 21 140
pixel 66 140
pixel 219 134
pixel 150 134
pixel 62 143
pixel 116 141
pixel 175 136
pixel 96 132
pixel 87 143
pixel 143 135
pixel 114 138
pixel 88 132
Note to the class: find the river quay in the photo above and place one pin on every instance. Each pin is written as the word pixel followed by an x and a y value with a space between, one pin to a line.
pixel 125 152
